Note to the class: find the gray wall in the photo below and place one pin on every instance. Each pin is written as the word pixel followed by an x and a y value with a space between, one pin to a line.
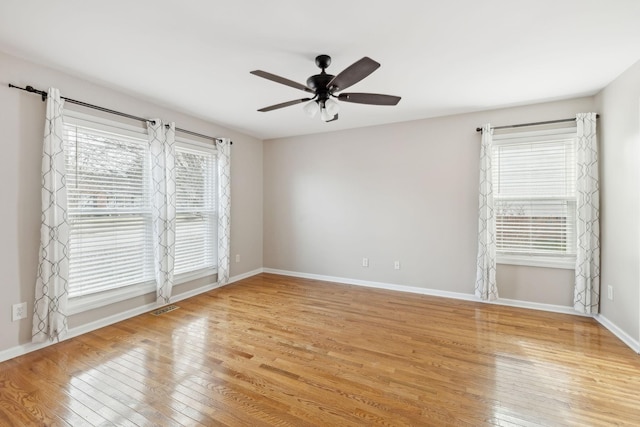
pixel 619 125
pixel 22 124
pixel 405 191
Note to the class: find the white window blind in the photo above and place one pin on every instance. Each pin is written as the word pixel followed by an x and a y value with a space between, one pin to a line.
pixel 534 183
pixel 108 209
pixel 196 219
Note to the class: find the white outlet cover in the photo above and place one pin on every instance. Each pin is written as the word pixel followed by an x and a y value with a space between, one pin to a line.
pixel 19 311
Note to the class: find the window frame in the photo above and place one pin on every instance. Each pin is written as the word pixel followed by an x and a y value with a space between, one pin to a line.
pixel 92 301
pixel 560 261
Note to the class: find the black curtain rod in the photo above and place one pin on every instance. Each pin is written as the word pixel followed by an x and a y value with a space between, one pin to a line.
pixel 550 122
pixel 43 94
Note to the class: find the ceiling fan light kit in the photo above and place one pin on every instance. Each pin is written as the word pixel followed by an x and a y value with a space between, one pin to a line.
pixel 325 86
pixel 311 108
pixel 325 116
pixel 332 107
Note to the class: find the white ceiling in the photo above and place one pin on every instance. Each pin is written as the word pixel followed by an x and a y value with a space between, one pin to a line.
pixel 442 57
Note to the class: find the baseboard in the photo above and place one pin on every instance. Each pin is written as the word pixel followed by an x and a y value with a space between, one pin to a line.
pixel 245 275
pixel 562 309
pixel 377 285
pixel 426 291
pixel 615 330
pixel 19 350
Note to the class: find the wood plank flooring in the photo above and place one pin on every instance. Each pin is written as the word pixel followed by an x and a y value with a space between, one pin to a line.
pixel 273 350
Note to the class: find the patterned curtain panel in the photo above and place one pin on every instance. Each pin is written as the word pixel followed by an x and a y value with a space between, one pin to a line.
pixel 224 209
pixel 587 286
pixel 163 202
pixel 486 269
pixel 49 312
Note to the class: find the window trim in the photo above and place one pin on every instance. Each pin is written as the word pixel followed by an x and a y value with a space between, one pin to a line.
pixel 560 261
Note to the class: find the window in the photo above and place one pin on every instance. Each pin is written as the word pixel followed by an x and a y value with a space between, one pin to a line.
pixel 196 219
pixel 534 183
pixel 109 208
pixel 110 212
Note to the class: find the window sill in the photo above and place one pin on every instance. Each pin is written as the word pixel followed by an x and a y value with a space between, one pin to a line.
pixel 90 302
pixel 568 262
pixel 193 275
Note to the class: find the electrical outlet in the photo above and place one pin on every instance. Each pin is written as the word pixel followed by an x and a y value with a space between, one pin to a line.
pixel 396 265
pixel 19 311
pixel 610 292
pixel 237 257
pixel 365 262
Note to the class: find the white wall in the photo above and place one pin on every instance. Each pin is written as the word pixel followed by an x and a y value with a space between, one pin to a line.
pixel 22 124
pixel 619 127
pixel 405 191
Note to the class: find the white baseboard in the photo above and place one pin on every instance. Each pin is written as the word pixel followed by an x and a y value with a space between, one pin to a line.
pixel 615 330
pixel 427 291
pixel 377 285
pixel 245 275
pixel 562 309
pixel 19 350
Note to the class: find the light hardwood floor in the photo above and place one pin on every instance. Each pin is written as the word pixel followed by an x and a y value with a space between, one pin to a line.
pixel 274 350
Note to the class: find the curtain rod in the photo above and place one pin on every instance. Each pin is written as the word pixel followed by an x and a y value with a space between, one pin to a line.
pixel 519 125
pixel 43 94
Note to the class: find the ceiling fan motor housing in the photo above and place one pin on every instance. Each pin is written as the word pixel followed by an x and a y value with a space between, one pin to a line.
pixel 320 81
pixel 319 84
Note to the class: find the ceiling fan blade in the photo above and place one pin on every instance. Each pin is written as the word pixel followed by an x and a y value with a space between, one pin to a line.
pixel 353 73
pixel 281 80
pixel 284 104
pixel 369 98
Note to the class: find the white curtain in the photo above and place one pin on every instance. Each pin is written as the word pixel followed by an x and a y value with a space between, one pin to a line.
pixel 224 209
pixel 49 311
pixel 587 284
pixel 163 202
pixel 486 288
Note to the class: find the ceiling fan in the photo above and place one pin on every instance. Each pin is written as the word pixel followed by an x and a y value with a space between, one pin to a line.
pixel 325 86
